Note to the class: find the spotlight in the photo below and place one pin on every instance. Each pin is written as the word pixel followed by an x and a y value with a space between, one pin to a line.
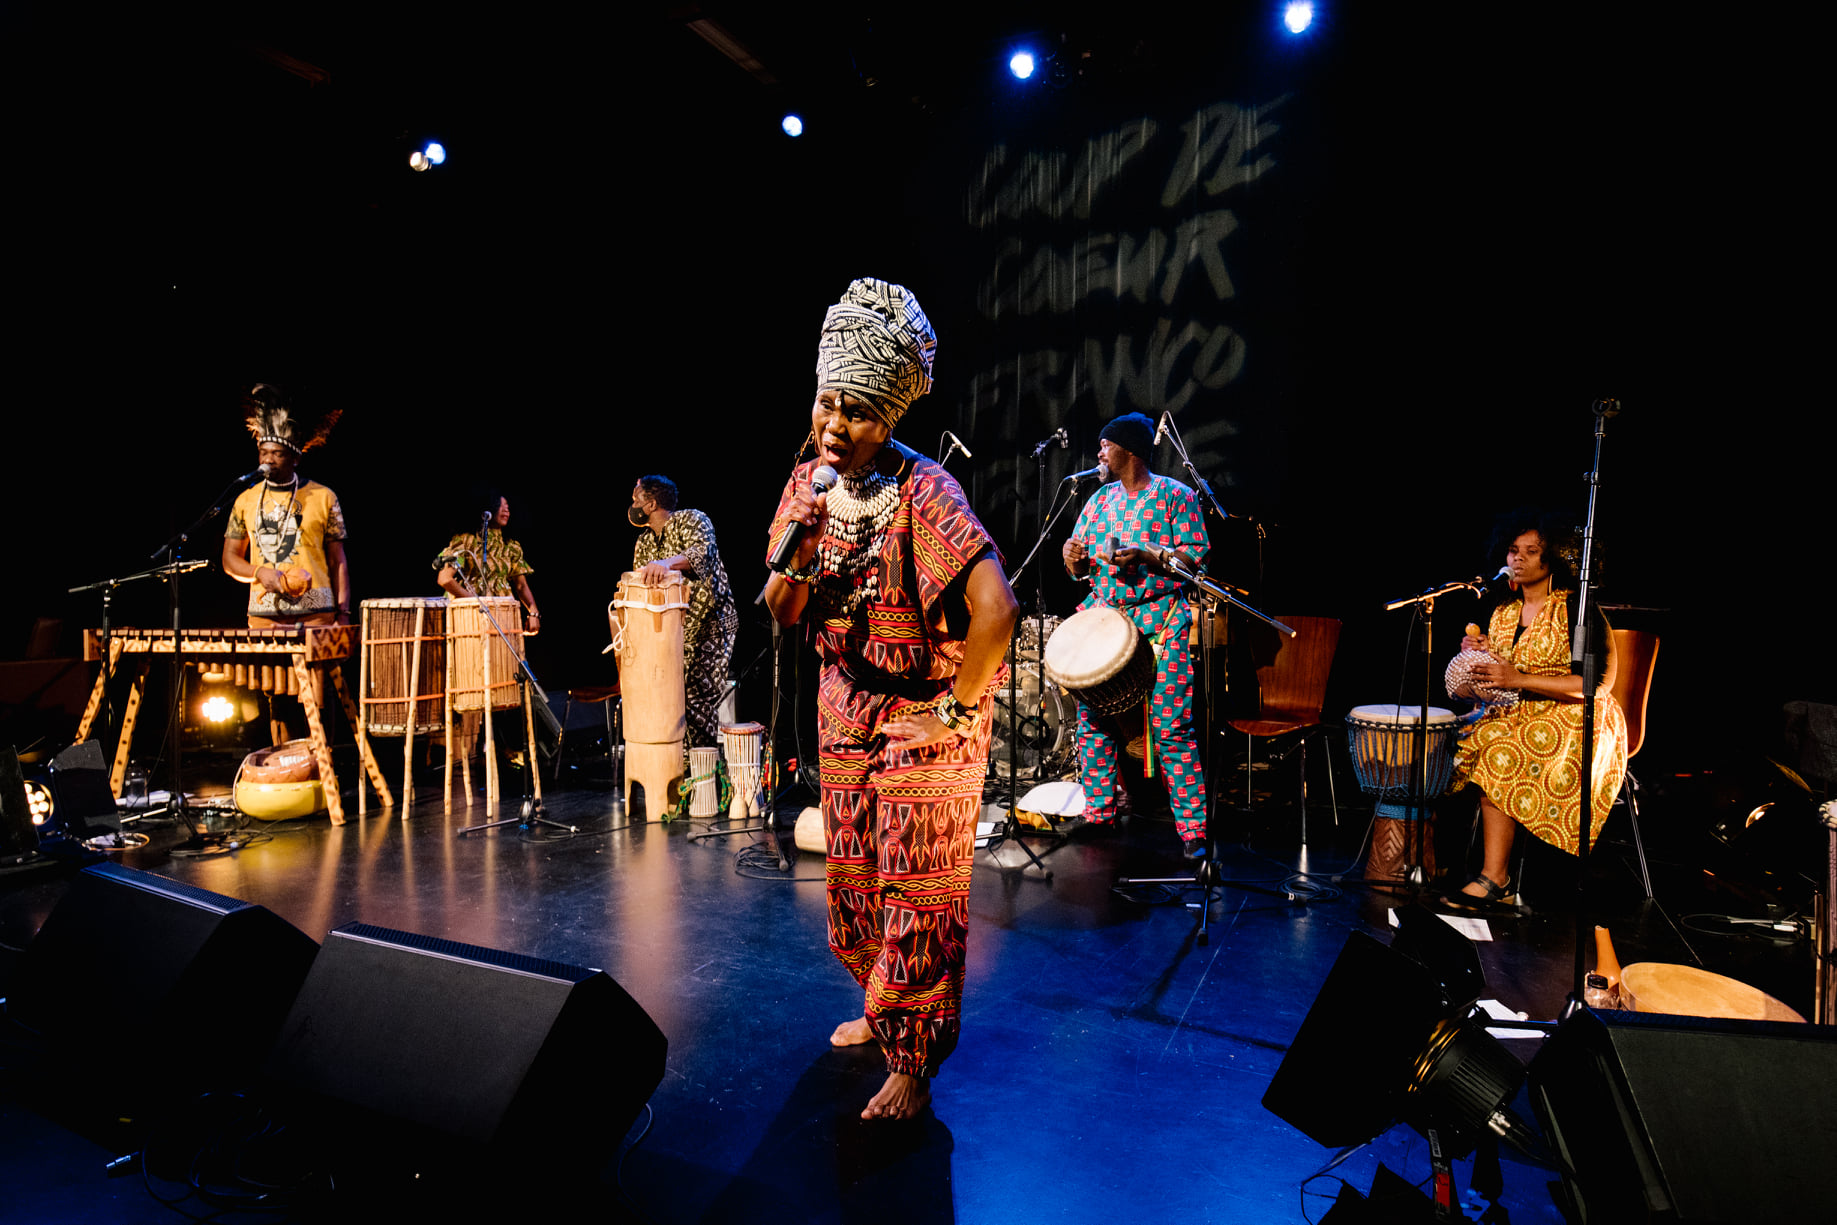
pixel 1021 65
pixel 218 709
pixel 1298 16
pixel 793 125
pixel 433 155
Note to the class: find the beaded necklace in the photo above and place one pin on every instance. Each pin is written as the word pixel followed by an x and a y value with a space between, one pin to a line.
pixel 861 509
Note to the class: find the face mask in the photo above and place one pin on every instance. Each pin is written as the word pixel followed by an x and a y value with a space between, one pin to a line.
pixel 637 516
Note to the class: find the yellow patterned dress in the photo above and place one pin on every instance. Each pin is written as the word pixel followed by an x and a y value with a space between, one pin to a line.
pixel 1527 758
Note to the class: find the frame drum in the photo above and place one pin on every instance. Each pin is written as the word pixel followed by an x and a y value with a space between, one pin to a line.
pixel 404 643
pixel 471 642
pixel 1101 657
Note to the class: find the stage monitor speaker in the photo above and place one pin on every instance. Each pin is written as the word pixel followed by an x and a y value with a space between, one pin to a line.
pixel 1345 1077
pixel 1669 1118
pixel 456 1042
pixel 128 959
pixel 79 782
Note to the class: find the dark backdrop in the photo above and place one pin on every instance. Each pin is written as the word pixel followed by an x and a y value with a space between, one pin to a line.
pixel 1378 276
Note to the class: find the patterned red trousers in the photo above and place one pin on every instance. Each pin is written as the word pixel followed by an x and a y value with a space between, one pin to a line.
pixel 901 829
pixel 1176 744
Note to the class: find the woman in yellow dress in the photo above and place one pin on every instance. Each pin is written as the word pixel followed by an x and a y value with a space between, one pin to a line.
pixel 1526 756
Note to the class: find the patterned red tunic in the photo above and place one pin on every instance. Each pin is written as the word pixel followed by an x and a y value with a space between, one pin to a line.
pixel 900 825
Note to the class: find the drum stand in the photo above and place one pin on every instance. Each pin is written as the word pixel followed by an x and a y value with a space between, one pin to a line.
pixel 1207 878
pixel 529 812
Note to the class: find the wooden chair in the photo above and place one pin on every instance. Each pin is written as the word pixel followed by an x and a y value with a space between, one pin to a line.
pixel 607 694
pixel 1636 655
pixel 1290 694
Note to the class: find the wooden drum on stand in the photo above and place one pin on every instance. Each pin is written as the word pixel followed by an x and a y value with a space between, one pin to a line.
pixel 404 665
pixel 1101 657
pixel 742 744
pixel 647 629
pixel 483 663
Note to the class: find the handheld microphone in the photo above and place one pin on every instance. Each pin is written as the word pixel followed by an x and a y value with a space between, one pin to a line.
pixel 1086 475
pixel 956 444
pixel 821 482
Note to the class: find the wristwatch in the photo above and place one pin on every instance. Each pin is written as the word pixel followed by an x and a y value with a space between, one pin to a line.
pixel 956 716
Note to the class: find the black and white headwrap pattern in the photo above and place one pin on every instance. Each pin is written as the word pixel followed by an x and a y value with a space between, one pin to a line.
pixel 877 345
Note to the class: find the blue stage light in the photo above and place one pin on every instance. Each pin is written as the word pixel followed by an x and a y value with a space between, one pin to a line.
pixel 1021 64
pixel 436 152
pixel 1298 16
pixel 793 125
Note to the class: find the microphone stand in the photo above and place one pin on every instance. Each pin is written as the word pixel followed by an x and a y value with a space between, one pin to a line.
pixel 529 812
pixel 1012 830
pixel 1587 652
pixel 1207 878
pixel 1414 876
pixel 173 567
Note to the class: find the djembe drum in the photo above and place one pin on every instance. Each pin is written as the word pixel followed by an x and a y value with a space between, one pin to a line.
pixel 1101 657
pixel 742 743
pixel 1382 744
pixel 647 633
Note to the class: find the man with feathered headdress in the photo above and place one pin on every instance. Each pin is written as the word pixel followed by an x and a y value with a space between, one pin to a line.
pixel 910 612
pixel 285 537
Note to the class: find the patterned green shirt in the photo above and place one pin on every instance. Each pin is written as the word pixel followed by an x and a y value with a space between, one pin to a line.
pixel 690 533
pixel 504 559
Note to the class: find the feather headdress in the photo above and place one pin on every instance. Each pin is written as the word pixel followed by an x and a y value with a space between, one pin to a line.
pixel 272 417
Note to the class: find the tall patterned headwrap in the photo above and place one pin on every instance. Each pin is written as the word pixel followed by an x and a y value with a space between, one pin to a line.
pixel 877 345
pixel 272 417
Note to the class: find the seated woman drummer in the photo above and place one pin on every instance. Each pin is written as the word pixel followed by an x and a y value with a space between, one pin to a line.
pixel 1524 750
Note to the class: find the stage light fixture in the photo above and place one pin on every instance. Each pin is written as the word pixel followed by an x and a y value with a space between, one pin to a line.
pixel 218 709
pixel 1021 64
pixel 1298 16
pixel 793 125
pixel 39 801
pixel 433 155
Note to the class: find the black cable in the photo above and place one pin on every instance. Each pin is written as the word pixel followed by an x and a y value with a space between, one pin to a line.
pixel 618 1173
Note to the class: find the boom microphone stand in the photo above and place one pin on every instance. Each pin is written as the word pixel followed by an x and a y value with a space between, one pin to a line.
pixel 1012 830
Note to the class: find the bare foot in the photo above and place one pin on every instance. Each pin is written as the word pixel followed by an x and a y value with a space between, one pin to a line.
pixel 902 1097
pixel 852 1033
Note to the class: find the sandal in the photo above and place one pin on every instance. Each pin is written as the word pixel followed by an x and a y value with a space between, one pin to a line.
pixel 1495 895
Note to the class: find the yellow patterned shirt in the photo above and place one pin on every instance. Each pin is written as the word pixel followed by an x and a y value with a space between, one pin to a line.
pixel 288 529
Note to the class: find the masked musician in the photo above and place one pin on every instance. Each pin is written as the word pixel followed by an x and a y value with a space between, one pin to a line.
pixel 904 595
pixel 683 540
pixel 285 537
pixel 1141 510
pixel 504 573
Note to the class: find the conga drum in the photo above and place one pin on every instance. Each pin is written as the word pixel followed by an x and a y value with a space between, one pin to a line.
pixel 647 625
pixel 484 662
pixel 1382 743
pixel 1101 657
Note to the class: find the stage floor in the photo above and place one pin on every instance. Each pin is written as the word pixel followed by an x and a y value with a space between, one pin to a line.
pixel 1110 1066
